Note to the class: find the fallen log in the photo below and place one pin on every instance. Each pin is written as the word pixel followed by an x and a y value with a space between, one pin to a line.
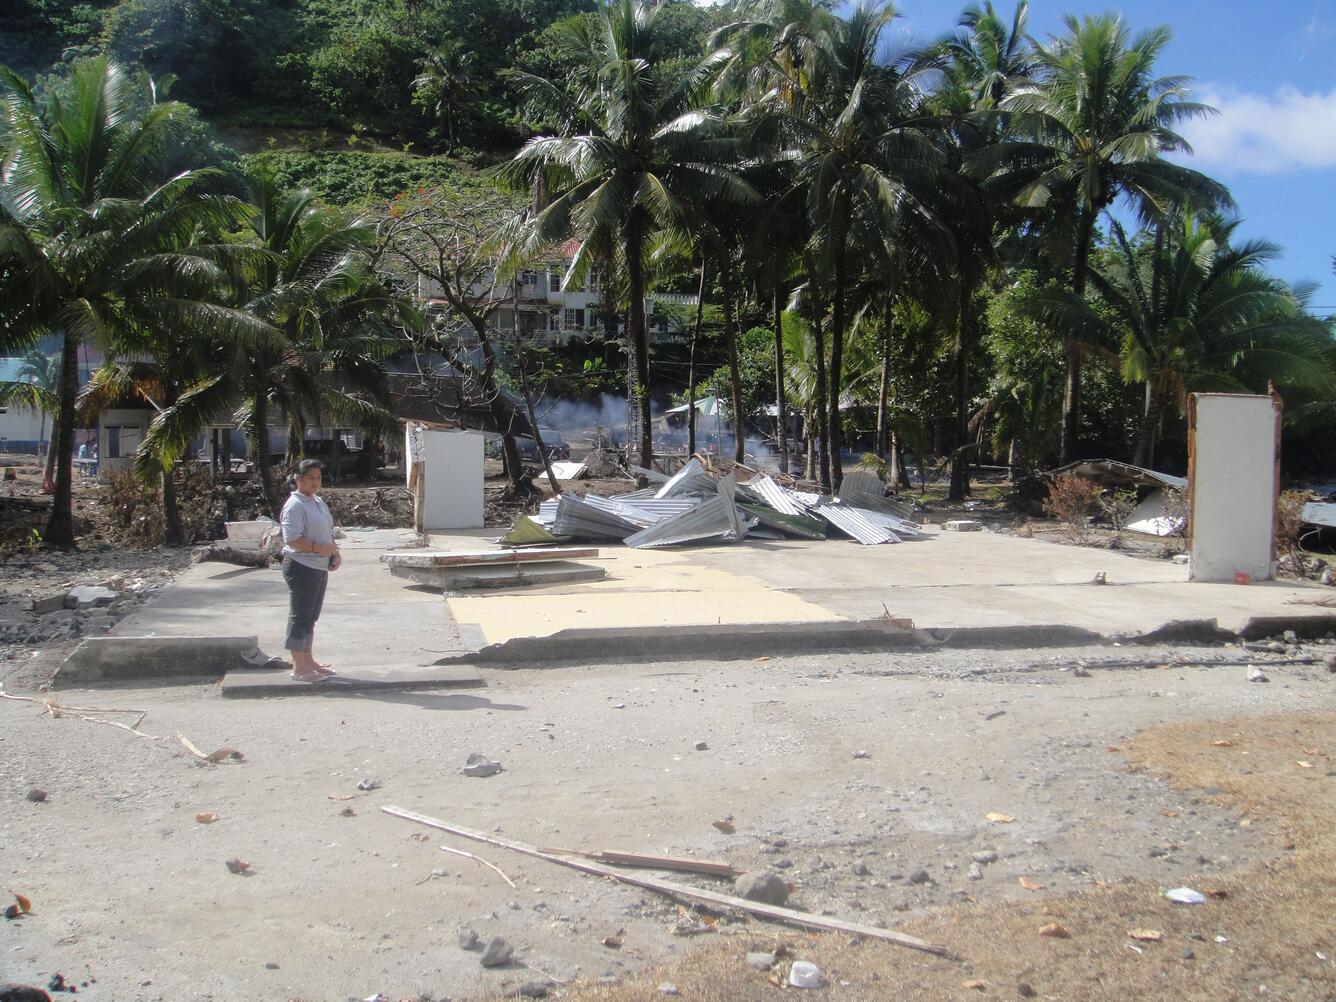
pixel 682 891
pixel 708 867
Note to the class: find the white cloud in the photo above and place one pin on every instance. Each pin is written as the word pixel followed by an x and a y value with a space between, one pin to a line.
pixel 1265 133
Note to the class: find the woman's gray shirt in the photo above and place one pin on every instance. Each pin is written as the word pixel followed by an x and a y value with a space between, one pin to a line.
pixel 307 518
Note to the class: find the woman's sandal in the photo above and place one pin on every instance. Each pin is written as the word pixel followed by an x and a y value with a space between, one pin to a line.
pixel 323 676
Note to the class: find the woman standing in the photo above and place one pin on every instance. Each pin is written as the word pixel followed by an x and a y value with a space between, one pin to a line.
pixel 309 555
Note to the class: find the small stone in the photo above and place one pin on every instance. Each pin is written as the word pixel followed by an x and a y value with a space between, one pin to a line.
pixel 668 988
pixel 702 746
pixel 764 886
pixel 1181 558
pixel 271 966
pixel 1189 954
pixel 920 877
pixel 1158 852
pixel 1257 675
pixel 761 961
pixel 963 525
pixel 975 872
pixel 1024 990
pixel 1290 637
pixel 862 754
pixel 37 795
pixel 479 765
pixel 1328 577
pixel 1331 664
pixel 368 785
pixel 467 938
pixel 534 990
pixel 984 856
pixel 861 870
pixel 498 952
pixel 12 912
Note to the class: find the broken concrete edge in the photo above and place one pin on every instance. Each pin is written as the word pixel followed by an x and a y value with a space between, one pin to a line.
pixel 113 659
pixel 414 679
pixel 748 641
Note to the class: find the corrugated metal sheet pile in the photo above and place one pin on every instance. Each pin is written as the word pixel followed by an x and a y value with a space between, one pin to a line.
pixel 696 506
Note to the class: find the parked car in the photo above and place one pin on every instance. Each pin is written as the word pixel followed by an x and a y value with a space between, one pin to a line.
pixel 558 449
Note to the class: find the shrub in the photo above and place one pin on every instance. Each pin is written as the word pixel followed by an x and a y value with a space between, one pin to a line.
pixel 1071 499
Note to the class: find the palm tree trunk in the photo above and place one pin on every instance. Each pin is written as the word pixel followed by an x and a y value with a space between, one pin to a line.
pixel 884 383
pixel 260 448
pixel 898 475
pixel 1150 422
pixel 839 319
pixel 731 344
pixel 522 365
pixel 173 533
pixel 1071 398
pixel 52 447
pixel 809 433
pixel 781 404
pixel 60 527
pixel 819 343
pixel 635 333
pixel 960 485
pixel 691 359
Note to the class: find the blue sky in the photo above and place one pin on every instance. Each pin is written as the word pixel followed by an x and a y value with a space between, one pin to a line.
pixel 1269 69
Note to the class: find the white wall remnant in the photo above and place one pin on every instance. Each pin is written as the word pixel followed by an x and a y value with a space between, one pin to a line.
pixel 444 470
pixel 1233 473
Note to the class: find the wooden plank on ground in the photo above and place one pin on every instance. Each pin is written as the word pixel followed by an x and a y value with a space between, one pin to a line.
pixel 710 867
pixel 684 892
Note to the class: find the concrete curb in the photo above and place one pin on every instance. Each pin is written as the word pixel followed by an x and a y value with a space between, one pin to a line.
pixel 185 659
pixel 746 641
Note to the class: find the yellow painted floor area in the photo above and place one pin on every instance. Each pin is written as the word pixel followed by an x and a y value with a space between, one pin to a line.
pixel 643 588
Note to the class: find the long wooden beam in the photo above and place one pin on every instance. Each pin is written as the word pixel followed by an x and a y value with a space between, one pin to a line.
pixel 774 912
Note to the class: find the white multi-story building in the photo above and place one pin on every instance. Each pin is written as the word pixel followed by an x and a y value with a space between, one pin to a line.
pixel 541 305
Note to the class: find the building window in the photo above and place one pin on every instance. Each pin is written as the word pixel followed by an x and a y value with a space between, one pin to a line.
pixel 528 278
pixel 113 442
pixel 554 281
pixel 573 319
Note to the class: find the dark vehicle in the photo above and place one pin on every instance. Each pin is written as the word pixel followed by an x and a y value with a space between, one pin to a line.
pixel 558 450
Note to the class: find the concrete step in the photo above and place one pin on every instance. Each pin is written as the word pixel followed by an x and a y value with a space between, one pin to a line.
pixel 258 684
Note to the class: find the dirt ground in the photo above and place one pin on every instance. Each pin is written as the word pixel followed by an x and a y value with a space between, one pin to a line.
pixel 1111 777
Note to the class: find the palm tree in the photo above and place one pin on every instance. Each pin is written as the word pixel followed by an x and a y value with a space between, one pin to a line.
pixel 636 153
pixel 92 219
pixel 446 83
pixel 309 286
pixel 1192 312
pixel 865 152
pixel 1092 126
pixel 994 57
pixel 36 389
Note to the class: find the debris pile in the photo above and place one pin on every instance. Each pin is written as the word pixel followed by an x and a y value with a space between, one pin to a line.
pixel 697 506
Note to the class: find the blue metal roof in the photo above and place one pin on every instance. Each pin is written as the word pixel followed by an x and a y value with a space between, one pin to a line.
pixel 9 369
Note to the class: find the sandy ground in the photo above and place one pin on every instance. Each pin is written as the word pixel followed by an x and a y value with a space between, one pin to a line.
pixel 131 895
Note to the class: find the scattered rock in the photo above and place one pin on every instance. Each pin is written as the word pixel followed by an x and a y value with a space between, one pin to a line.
pixel 1331 663
pixel 963 525
pixel 479 765
pixel 975 872
pixel 862 754
pixel 1024 990
pixel 367 785
pixel 1257 675
pixel 920 877
pixel 467 938
pixel 984 856
pixel 271 966
pixel 37 795
pixel 534 990
pixel 22 993
pixel 861 870
pixel 12 912
pixel 1189 954
pixel 668 988
pixel 764 886
pixel 761 961
pixel 702 746
pixel 498 952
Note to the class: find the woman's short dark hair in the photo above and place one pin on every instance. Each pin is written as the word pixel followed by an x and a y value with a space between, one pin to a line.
pixel 307 465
